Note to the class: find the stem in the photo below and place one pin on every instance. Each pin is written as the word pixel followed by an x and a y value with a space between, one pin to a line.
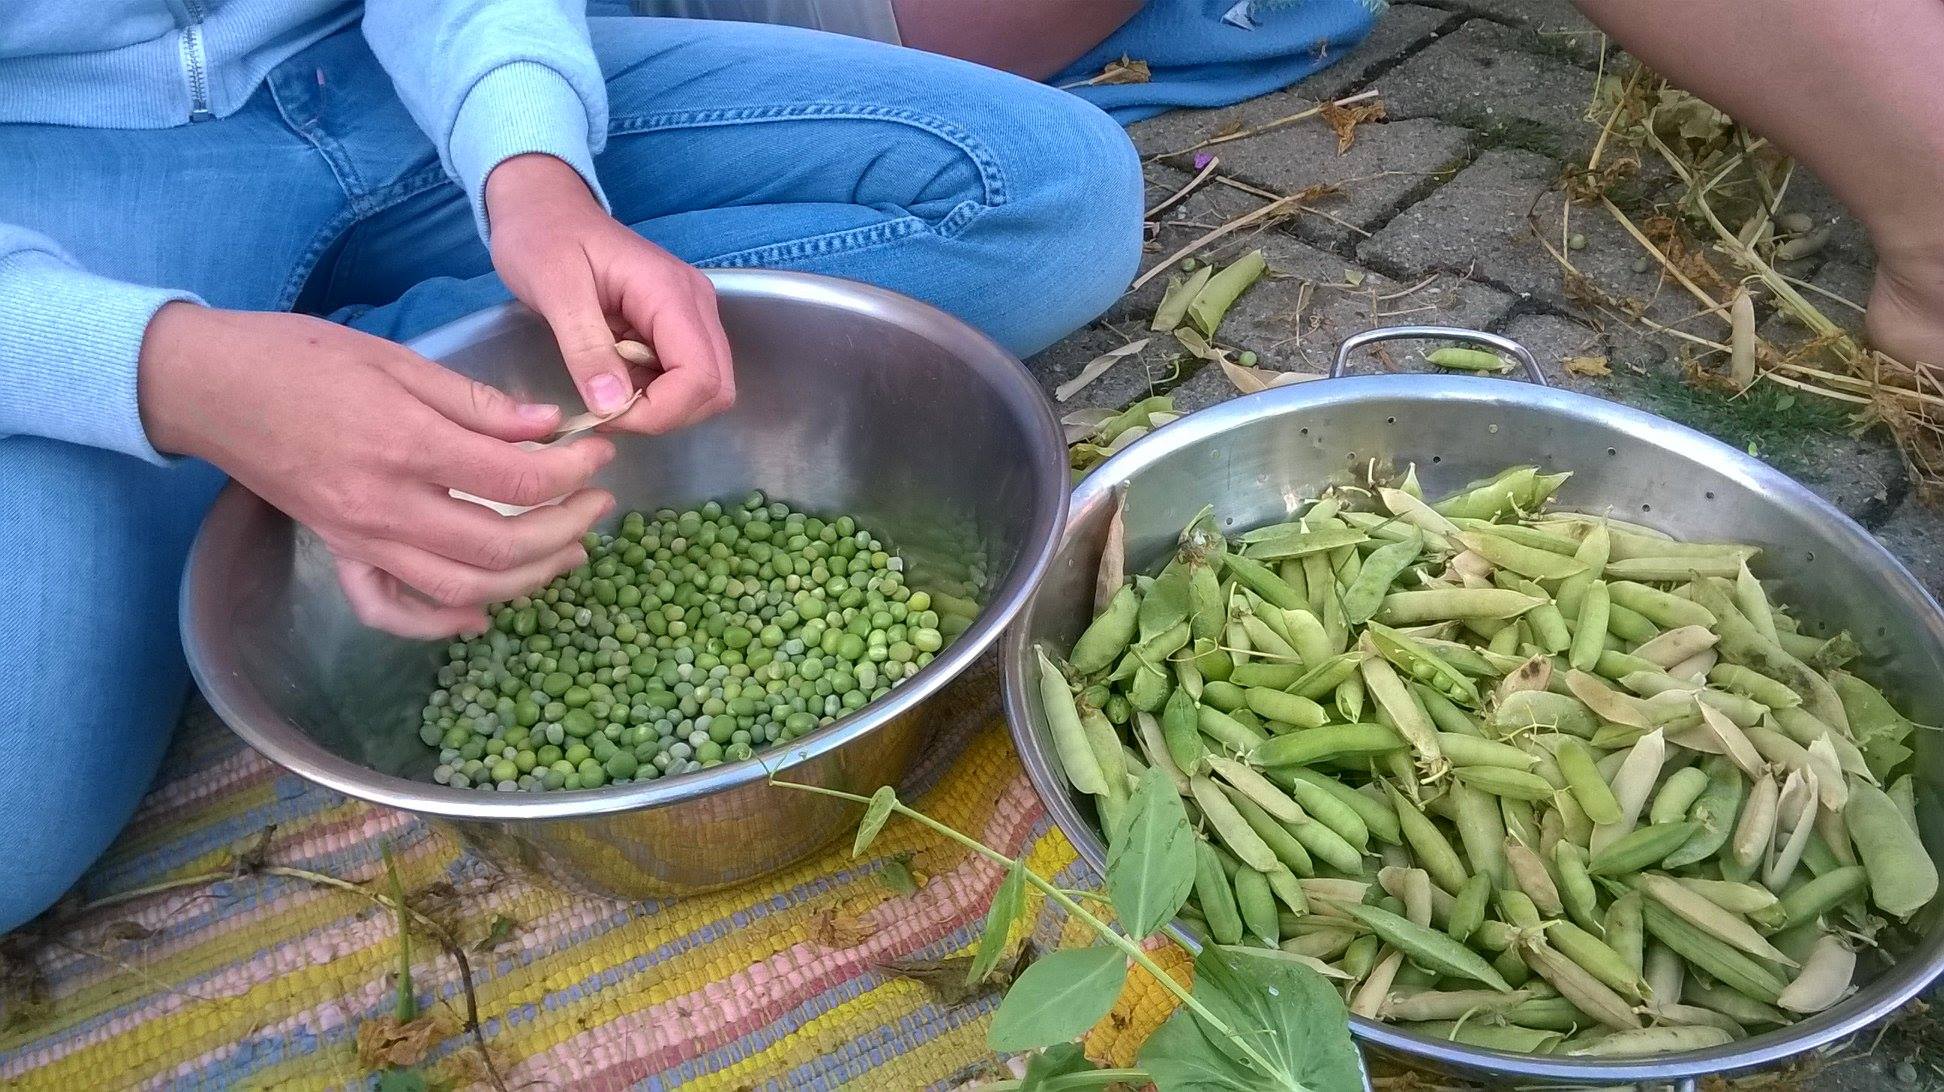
pixel 406 1008
pixel 1074 909
pixel 1092 1078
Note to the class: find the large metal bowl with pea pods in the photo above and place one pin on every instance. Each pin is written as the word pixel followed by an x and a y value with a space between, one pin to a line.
pixel 1256 457
pixel 851 400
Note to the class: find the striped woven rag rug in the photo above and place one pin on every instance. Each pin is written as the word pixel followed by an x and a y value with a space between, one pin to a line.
pixel 264 981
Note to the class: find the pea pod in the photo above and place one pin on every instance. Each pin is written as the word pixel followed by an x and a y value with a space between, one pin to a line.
pixel 1070 740
pixel 1643 848
pixel 1468 360
pixel 1434 853
pixel 1181 732
pixel 1285 708
pixel 1595 796
pixel 1229 826
pixel 1377 817
pixel 1231 733
pixel 1579 985
pixel 1804 904
pixel 1428 948
pixel 1294 540
pixel 1330 809
pixel 1527 561
pixel 1721 961
pixel 1256 906
pixel 1420 663
pixel 1108 635
pixel 1664 609
pixel 1590 627
pixel 1481 830
pixel 1465 750
pixel 1576 890
pixel 1593 552
pixel 1468 908
pixel 1902 875
pixel 1215 896
pixel 1499 781
pixel 1549 629
pixel 1274 834
pixel 1258 578
pixel 1313 745
pixel 1380 570
pixel 1677 794
pixel 1714 815
pixel 1599 960
pixel 1408 608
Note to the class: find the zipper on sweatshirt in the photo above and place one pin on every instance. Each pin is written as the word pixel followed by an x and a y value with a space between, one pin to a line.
pixel 195 61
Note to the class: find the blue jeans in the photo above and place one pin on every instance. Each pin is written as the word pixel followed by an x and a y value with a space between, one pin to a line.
pixel 1012 205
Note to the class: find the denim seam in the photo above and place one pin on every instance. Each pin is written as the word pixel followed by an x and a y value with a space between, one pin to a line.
pixel 306 265
pixel 992 179
pixel 327 149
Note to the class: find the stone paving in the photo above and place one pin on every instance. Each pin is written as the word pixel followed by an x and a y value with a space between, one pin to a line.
pixel 1435 221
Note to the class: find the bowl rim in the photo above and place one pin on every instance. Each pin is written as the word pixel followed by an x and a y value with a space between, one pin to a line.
pixel 1044 451
pixel 1890 990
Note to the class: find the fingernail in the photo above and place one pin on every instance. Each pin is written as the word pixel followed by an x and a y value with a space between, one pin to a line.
pixel 606 392
pixel 537 411
pixel 607 505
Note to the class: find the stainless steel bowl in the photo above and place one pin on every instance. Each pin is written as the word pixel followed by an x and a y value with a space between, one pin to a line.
pixel 1256 457
pixel 851 399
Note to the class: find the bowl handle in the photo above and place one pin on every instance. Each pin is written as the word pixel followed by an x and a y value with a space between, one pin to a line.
pixel 1447 333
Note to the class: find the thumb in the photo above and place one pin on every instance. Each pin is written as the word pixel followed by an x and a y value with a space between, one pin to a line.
pixel 573 311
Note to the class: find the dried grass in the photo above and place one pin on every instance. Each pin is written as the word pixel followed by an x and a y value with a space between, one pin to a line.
pixel 1726 235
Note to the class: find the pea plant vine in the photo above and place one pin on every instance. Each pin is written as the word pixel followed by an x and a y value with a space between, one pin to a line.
pixel 1256 1020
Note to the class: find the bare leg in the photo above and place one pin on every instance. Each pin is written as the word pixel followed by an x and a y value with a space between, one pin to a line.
pixel 1853 91
pixel 1031 38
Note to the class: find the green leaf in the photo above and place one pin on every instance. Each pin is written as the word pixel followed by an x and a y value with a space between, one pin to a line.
pixel 496 933
pixel 882 801
pixel 402 1080
pixel 1007 904
pixel 1288 1013
pixel 1181 1056
pixel 896 875
pixel 1151 857
pixel 1057 1060
pixel 1058 998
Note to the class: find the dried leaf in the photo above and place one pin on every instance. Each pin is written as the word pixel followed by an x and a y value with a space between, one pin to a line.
pixel 1250 380
pixel 1082 423
pixel 1125 70
pixel 254 852
pixel 497 931
pixel 1593 366
pixel 1113 554
pixel 1229 127
pixel 384 1041
pixel 1345 119
pixel 834 928
pixel 1197 344
pixel 946 978
pixel 128 930
pixel 1096 368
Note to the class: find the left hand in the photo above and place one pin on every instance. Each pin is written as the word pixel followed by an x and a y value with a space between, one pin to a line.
pixel 594 280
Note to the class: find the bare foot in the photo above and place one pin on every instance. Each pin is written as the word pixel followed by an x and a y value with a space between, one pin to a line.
pixel 1906 315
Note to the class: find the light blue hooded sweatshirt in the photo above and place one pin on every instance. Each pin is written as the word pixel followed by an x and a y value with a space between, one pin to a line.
pixel 485 79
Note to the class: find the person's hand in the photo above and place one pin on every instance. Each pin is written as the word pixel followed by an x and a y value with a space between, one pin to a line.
pixel 594 280
pixel 361 440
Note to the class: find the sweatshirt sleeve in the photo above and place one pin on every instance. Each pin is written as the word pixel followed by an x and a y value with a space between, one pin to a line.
pixel 491 79
pixel 70 343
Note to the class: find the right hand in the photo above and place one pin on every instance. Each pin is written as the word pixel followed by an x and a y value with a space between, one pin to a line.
pixel 361 439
